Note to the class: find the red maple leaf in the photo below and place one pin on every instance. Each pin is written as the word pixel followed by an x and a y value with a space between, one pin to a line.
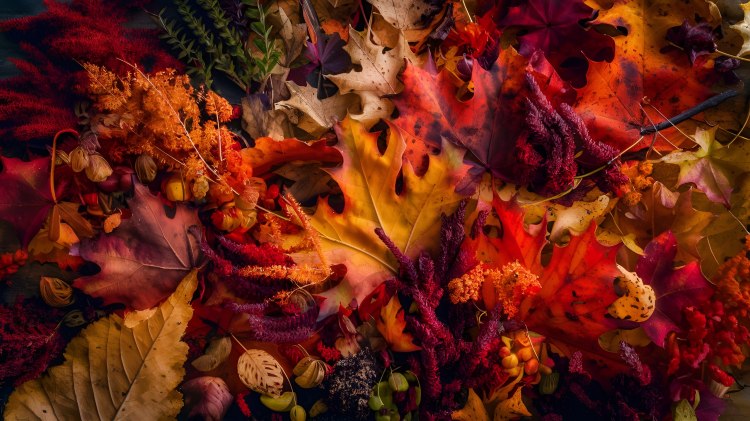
pixel 577 282
pixel 491 123
pixel 557 28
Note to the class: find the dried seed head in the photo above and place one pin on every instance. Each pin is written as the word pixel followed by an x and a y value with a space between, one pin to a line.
pixel 145 168
pixel 79 159
pixel 98 169
pixel 55 292
pixel 200 187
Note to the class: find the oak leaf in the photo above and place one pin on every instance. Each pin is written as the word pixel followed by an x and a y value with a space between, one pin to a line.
pixel 314 116
pixel 391 324
pixel 145 258
pixel 368 180
pixel 375 77
pixel 115 372
pixel 414 17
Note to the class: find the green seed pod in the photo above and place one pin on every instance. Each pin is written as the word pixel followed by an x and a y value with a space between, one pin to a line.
pixel 548 385
pixel 398 382
pixel 298 413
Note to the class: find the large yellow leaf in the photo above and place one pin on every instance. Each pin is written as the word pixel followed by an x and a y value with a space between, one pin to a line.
pixel 114 372
pixel 368 181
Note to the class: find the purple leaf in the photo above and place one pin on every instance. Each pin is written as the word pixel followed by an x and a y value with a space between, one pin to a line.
pixel 675 289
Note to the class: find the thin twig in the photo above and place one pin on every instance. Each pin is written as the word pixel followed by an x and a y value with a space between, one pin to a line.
pixel 679 118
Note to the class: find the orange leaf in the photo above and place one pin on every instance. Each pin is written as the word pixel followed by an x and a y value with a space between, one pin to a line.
pixel 611 101
pixel 391 325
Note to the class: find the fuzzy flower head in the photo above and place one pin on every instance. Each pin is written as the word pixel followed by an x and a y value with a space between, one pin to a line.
pixel 509 285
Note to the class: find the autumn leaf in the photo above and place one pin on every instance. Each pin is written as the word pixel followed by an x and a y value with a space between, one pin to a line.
pixel 474 409
pixel 26 198
pixel 659 210
pixel 490 124
pixel 269 153
pixel 675 289
pixel 414 18
pixel 375 77
pixel 368 180
pixel 391 324
pixel 577 289
pixel 571 307
pixel 260 372
pixel 313 115
pixel 143 260
pixel 511 408
pixel 743 28
pixel 712 167
pixel 725 235
pixel 612 102
pixel 515 241
pixel 115 372
pixel 557 28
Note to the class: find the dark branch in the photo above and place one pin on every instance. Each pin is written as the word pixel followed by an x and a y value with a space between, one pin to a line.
pixel 679 118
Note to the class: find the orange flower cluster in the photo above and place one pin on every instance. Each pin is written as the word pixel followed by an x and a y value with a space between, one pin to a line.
pixel 733 280
pixel 512 283
pixel 165 117
pixel 640 180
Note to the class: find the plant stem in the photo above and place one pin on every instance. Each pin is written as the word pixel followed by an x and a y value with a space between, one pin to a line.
pixel 679 118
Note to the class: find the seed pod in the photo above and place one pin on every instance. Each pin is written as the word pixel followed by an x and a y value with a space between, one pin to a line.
pixel 55 292
pixel 98 169
pixel 310 372
pixel 79 159
pixel 548 385
pixel 61 157
pixel 74 318
pixel 145 168
pixel 318 408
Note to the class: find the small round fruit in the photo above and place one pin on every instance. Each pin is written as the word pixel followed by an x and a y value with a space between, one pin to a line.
pixel 510 361
pixel 531 366
pixel 513 372
pixel 525 354
pixel 176 189
pixel 505 351
pixel 398 382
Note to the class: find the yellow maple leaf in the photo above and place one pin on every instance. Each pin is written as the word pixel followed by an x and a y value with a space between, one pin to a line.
pixel 410 217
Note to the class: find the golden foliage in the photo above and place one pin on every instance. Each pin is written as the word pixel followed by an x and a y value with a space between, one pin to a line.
pixel 115 372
